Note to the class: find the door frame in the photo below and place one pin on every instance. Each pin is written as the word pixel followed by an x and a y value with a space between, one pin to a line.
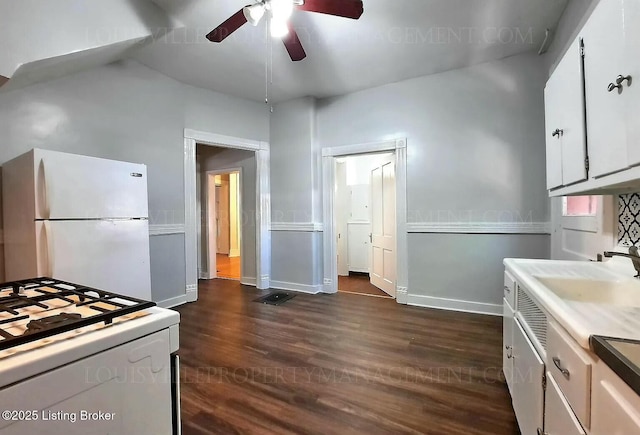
pixel 210 257
pixel 263 205
pixel 330 248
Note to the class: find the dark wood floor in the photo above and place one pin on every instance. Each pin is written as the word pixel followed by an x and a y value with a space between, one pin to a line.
pixel 321 364
pixel 359 283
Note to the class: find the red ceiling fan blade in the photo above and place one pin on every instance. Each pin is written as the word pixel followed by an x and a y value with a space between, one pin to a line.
pixel 233 23
pixel 341 8
pixel 293 45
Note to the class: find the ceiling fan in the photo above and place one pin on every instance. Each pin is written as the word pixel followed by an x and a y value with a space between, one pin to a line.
pixel 279 12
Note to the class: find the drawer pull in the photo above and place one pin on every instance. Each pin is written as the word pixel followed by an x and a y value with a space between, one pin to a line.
pixel 565 372
pixel 541 432
pixel 507 289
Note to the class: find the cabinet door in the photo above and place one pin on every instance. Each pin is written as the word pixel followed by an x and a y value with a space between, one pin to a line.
pixel 552 113
pixel 616 407
pixel 604 47
pixel 528 372
pixel 507 342
pixel 573 137
pixel 559 419
pixel 632 68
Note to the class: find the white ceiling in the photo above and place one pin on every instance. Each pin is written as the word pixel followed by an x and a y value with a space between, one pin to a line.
pixel 393 40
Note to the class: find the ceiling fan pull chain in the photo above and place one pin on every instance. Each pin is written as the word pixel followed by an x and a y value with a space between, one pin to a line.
pixel 266 63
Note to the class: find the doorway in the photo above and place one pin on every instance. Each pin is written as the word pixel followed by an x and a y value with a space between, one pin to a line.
pixel 226 199
pixel 223 224
pixel 329 235
pixel 365 218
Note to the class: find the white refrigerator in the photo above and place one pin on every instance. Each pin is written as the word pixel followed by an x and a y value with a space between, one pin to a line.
pixel 78 219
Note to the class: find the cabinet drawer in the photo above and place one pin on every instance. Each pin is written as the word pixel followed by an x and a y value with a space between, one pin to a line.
pixel 559 419
pixel 510 289
pixel 571 368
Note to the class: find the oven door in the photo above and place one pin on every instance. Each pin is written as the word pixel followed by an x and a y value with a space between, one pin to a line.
pixel 175 394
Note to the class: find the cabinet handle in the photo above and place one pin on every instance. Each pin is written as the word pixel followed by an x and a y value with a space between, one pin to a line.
pixel 558 132
pixel 541 432
pixel 611 87
pixel 507 289
pixel 557 363
pixel 510 349
pixel 622 78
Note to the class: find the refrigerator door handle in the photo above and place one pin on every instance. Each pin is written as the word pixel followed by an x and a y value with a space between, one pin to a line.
pixel 43 191
pixel 48 237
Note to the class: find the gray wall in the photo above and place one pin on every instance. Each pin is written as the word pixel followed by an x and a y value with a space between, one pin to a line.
pixel 129 112
pixel 215 159
pixel 475 153
pixel 295 193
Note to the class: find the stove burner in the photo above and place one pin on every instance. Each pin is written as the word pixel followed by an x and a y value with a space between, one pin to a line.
pixel 11 303
pixel 51 322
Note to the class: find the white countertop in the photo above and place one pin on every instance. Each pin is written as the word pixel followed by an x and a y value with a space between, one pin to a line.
pixel 31 359
pixel 580 319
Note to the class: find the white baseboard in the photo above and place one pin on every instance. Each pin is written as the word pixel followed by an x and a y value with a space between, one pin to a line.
pixel 246 280
pixel 454 305
pixel 173 302
pixel 234 253
pixel 303 288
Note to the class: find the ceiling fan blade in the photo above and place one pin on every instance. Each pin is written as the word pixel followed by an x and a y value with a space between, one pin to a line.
pixel 341 8
pixel 233 23
pixel 293 45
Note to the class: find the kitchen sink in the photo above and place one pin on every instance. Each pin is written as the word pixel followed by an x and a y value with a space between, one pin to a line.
pixel 613 292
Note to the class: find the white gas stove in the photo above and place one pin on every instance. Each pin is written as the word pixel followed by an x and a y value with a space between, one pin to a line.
pixel 77 360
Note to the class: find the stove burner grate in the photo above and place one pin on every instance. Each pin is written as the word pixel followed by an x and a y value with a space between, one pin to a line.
pixel 106 305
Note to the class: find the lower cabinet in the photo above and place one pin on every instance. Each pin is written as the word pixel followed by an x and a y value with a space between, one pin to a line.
pixel 558 416
pixel 528 383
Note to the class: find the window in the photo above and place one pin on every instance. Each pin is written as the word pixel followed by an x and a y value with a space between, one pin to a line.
pixel 581 213
pixel 579 205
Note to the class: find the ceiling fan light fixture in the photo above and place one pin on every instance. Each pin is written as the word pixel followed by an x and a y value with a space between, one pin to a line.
pixel 254 13
pixel 279 28
pixel 281 9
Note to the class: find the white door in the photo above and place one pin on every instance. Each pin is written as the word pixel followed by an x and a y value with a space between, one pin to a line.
pixel 527 392
pixel 383 226
pixel 604 51
pixel 632 68
pixel 78 187
pixel 107 255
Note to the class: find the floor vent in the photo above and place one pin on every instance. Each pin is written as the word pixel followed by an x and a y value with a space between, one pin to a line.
pixel 276 298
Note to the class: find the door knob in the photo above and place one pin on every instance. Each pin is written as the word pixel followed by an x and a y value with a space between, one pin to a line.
pixel 611 87
pixel 558 133
pixel 620 79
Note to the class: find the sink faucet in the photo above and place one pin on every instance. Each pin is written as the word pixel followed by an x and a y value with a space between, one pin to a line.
pixel 633 255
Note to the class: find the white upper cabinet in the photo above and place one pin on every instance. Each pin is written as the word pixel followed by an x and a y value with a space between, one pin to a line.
pixel 632 68
pixel 565 124
pixel 602 87
pixel 604 53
